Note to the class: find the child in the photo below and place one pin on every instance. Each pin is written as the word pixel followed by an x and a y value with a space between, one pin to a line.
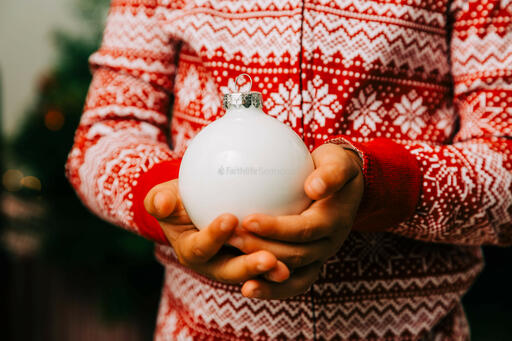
pixel 406 107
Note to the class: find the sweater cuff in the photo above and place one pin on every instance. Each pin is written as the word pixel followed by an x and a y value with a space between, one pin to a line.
pixel 392 186
pixel 147 224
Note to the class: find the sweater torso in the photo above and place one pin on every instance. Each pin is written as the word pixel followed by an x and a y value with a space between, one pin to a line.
pixel 362 69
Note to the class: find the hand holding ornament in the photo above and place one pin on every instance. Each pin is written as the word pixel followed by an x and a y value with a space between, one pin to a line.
pixel 305 241
pixel 248 162
pixel 203 251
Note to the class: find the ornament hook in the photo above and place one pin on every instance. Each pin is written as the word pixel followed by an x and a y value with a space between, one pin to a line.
pixel 243 75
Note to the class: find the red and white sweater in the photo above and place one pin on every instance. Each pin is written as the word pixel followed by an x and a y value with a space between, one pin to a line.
pixel 423 89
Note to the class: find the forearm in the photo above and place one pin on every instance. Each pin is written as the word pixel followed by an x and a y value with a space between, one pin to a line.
pixel 459 193
pixel 120 146
pixel 121 137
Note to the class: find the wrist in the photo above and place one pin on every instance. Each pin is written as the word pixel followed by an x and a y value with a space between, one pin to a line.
pixel 353 150
pixel 355 156
pixel 392 182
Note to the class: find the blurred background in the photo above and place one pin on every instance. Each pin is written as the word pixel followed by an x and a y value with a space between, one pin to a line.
pixel 66 275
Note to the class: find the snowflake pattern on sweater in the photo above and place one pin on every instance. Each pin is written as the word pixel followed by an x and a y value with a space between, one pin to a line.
pixel 422 90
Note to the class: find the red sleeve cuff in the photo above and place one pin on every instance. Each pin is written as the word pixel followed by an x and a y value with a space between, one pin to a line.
pixel 392 183
pixel 147 224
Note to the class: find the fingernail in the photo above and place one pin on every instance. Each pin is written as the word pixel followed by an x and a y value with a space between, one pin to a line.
pixel 237 242
pixel 262 267
pixel 253 226
pixel 159 200
pixel 318 185
pixel 263 264
pixel 225 225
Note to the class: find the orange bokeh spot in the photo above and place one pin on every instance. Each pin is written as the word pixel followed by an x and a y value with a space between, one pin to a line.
pixel 11 180
pixel 31 182
pixel 54 120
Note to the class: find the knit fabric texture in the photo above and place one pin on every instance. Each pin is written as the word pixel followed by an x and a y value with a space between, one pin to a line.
pixel 421 89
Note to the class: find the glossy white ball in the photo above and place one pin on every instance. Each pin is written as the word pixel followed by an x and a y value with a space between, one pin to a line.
pixel 245 162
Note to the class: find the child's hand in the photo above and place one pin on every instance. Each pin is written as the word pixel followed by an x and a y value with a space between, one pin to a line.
pixel 199 250
pixel 304 242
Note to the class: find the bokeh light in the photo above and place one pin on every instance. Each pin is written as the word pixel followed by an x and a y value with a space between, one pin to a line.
pixel 31 182
pixel 11 180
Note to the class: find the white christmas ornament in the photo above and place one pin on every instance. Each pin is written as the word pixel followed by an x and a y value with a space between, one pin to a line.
pixel 245 162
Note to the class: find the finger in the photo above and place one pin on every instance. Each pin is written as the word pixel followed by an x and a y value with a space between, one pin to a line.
pixel 334 168
pixel 279 273
pixel 306 227
pixel 162 199
pixel 293 255
pixel 195 246
pixel 173 231
pixel 179 216
pixel 299 283
pixel 229 269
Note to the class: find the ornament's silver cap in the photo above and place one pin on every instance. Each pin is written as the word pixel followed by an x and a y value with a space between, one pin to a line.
pixel 243 99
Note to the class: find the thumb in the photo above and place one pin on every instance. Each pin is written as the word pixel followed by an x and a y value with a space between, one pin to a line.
pixel 161 201
pixel 334 167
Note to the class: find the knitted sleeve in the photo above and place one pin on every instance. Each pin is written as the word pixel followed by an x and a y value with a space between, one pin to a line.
pixel 120 148
pixel 461 192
